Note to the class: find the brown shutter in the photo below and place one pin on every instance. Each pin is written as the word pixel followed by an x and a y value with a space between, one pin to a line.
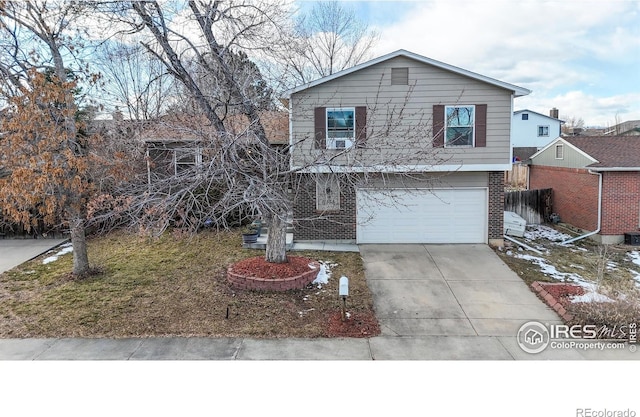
pixel 481 125
pixel 320 127
pixel 438 126
pixel 361 126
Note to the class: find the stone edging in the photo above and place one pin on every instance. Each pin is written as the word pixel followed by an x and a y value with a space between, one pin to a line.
pixel 550 299
pixel 297 282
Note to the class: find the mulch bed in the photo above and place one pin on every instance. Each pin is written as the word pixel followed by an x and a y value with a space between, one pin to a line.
pixel 258 267
pixel 356 325
pixel 563 292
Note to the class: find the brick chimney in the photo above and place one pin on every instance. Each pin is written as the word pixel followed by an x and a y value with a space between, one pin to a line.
pixel 553 113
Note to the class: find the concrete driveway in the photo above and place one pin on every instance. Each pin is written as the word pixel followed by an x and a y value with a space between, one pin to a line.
pixel 457 300
pixel 13 252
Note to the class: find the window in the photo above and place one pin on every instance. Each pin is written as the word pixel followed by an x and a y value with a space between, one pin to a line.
pixel 559 151
pixel 400 76
pixel 187 158
pixel 543 130
pixel 525 116
pixel 340 128
pixel 327 193
pixel 460 124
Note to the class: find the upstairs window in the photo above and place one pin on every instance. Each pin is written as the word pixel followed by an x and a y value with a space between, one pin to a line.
pixel 459 126
pixel 543 131
pixel 525 116
pixel 341 127
pixel 559 151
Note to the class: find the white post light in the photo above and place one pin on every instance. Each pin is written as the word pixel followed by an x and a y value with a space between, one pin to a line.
pixel 343 291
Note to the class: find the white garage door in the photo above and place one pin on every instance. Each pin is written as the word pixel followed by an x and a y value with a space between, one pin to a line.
pixel 422 216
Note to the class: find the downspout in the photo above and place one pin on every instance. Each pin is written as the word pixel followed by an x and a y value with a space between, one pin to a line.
pixel 599 174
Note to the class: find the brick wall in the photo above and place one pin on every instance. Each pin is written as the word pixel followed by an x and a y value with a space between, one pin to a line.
pixel 309 224
pixel 574 196
pixel 620 202
pixel 496 205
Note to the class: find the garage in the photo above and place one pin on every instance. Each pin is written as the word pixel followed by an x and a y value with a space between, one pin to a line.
pixel 457 215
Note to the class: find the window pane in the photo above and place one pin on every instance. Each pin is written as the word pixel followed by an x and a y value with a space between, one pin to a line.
pixel 460 116
pixel 340 119
pixel 460 136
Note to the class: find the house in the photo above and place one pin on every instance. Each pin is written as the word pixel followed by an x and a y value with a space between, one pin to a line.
pixel 178 144
pixel 401 149
pixel 531 131
pixel 595 182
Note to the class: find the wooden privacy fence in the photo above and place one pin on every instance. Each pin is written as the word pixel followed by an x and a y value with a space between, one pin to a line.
pixel 517 177
pixel 532 205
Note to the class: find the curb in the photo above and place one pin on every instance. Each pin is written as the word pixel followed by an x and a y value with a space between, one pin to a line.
pixel 550 300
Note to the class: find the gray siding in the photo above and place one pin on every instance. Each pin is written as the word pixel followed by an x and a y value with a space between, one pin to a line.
pixel 572 158
pixel 399 117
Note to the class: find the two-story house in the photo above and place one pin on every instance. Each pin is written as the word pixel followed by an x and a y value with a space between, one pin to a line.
pixel 532 131
pixel 401 149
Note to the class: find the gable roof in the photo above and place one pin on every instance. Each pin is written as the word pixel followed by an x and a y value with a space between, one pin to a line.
pixel 610 151
pixel 518 91
pixel 539 114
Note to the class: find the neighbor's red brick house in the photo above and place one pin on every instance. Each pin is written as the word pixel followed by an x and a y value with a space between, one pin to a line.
pixel 574 166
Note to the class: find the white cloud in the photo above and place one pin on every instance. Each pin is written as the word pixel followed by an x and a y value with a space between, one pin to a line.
pixel 561 50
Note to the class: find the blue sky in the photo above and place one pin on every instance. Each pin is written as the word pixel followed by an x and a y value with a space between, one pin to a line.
pixel 581 56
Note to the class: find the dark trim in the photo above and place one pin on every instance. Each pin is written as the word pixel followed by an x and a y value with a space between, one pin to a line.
pixel 320 127
pixel 361 126
pixel 438 126
pixel 481 125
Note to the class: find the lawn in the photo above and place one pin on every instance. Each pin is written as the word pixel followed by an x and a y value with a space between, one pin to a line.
pixel 175 286
pixel 608 277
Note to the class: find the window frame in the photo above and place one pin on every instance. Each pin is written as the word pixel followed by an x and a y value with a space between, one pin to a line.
pixel 331 183
pixel 525 116
pixel 472 126
pixel 560 147
pixel 197 160
pixel 541 131
pixel 330 142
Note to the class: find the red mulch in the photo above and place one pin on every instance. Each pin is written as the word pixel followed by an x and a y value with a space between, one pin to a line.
pixel 258 267
pixel 357 325
pixel 563 292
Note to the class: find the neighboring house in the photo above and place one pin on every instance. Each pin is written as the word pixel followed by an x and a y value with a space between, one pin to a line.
pixel 577 168
pixel 175 145
pixel 531 131
pixel 401 149
pixel 628 128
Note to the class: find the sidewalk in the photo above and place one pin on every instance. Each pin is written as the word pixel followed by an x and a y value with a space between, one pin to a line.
pixel 14 252
pixel 375 348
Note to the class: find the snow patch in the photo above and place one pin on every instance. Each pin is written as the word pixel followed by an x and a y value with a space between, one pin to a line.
pixel 634 256
pixel 539 231
pixel 324 274
pixel 591 297
pixel 64 249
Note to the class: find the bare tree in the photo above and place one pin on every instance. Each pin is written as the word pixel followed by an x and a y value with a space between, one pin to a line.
pixel 573 125
pixel 327 39
pixel 38 38
pixel 134 80
pixel 224 165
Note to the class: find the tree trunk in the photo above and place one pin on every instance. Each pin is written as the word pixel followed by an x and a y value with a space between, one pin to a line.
pixel 277 240
pixel 79 242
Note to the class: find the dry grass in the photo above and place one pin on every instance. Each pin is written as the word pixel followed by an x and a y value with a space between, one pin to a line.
pixel 608 268
pixel 172 286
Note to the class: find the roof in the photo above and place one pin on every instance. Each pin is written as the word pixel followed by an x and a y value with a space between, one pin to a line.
pixel 609 151
pixel 189 128
pixel 518 91
pixel 539 114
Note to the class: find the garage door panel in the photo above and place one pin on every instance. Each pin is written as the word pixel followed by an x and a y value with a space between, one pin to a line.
pixel 422 216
